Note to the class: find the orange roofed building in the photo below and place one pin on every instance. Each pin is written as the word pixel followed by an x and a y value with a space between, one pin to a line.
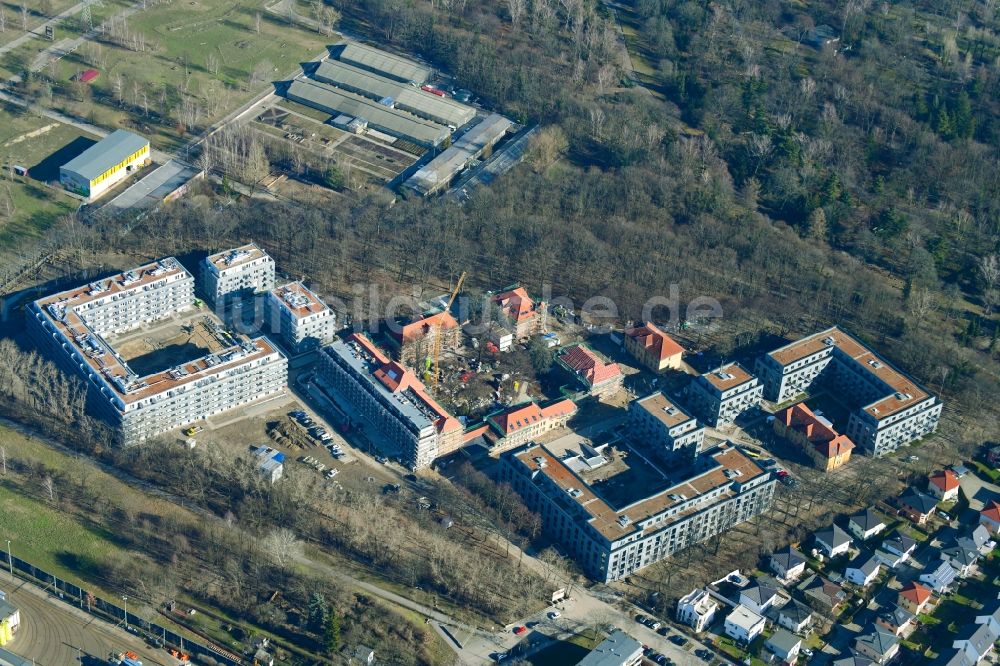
pixel 989 517
pixel 522 423
pixel 415 341
pixel 653 348
pixel 391 397
pixel 601 378
pixel 522 315
pixel 943 485
pixel 799 424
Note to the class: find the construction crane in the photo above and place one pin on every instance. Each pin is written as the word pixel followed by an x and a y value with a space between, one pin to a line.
pixel 436 375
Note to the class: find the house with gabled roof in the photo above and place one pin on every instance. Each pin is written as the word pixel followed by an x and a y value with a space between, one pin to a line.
pixel 788 564
pixel 522 423
pixel 653 348
pixel 853 660
pixel 989 517
pixel 976 641
pixel 832 541
pixel 784 645
pixel 524 316
pixel 962 558
pixel 759 596
pixel 823 594
pixel 799 424
pixel 601 377
pixel 943 485
pixel 896 550
pixel 865 524
pixel 877 644
pixel 917 506
pixel 862 570
pixel 914 597
pixel 896 619
pixel 940 579
pixel 795 616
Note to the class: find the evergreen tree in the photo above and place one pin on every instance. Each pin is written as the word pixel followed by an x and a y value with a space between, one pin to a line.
pixel 319 612
pixel 331 636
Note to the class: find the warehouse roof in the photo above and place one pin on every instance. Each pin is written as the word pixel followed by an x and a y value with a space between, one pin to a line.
pixel 440 170
pixel 386 63
pixel 334 101
pixel 439 109
pixel 105 154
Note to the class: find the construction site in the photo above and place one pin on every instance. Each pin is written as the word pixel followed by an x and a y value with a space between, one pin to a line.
pixel 172 342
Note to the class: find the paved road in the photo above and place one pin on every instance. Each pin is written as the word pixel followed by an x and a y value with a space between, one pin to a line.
pixel 40 30
pixel 54 633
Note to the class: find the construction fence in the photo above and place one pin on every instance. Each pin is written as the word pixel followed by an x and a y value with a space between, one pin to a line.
pixel 153 633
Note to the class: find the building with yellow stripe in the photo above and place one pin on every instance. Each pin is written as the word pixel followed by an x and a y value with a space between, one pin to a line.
pixel 97 169
pixel 10 620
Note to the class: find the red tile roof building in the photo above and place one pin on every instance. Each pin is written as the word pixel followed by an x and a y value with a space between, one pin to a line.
pixel 943 485
pixel 799 424
pixel 653 348
pixel 989 517
pixel 391 397
pixel 914 597
pixel 522 423
pixel 601 378
pixel 414 342
pixel 523 316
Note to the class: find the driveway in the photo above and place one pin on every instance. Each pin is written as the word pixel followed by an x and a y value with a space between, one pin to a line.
pixel 978 491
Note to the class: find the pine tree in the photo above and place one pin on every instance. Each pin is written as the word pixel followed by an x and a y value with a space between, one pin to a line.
pixel 962 120
pixel 331 637
pixel 943 124
pixel 319 612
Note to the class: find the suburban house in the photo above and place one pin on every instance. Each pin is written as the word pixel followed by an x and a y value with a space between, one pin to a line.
pixel 943 485
pixel 521 424
pixel 865 524
pixel 862 570
pixel 697 609
pixel 990 614
pixel 940 579
pixel 364 655
pixel 743 625
pixel 618 649
pixel 976 641
pixel 758 597
pixel 914 597
pixel 980 538
pixel 832 541
pixel 877 644
pixel 917 506
pixel 962 559
pixel 662 422
pixel 522 315
pixel 800 425
pixel 896 550
pixel 720 396
pixel 795 616
pixel 989 517
pixel 788 564
pixel 784 645
pixel 823 595
pixel 600 377
pixel 653 348
pixel 896 619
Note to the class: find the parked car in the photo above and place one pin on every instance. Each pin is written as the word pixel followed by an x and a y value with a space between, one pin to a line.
pixel 520 630
pixel 381 459
pixel 807 652
pixel 679 640
pixel 554 614
pixel 654 625
pixel 663 631
pixel 703 654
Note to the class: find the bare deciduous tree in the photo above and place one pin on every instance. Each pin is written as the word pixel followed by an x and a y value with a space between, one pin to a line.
pixel 282 547
pixel 989 271
pixel 49 486
pixel 516 9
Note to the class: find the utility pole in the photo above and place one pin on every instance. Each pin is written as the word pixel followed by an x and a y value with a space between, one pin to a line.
pixel 125 599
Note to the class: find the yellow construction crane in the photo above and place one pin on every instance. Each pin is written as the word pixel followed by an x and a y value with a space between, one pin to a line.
pixel 436 375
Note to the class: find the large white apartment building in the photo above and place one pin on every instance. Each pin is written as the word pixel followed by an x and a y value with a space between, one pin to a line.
pixel 300 318
pixel 722 395
pixel 74 324
pixel 657 419
pixel 240 271
pixel 891 409
pixel 610 542
pixel 392 398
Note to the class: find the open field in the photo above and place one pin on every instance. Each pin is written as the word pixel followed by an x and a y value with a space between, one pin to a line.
pixel 201 59
pixel 35 16
pixel 27 206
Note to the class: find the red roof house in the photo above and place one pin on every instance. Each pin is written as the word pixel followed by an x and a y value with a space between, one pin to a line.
pixel 943 485
pixel 600 377
pixel 653 348
pixel 800 424
pixel 524 315
pixel 989 517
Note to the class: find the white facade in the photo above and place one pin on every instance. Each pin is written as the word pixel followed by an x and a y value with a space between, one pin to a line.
pixel 862 573
pixel 662 422
pixel 892 409
pixel 299 318
pixel 743 625
pixel 697 609
pixel 721 396
pixel 242 270
pixel 73 323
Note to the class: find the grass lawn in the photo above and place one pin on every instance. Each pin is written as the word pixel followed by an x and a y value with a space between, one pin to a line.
pixel 41 145
pixel 205 48
pixel 35 16
pixel 985 471
pixel 50 539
